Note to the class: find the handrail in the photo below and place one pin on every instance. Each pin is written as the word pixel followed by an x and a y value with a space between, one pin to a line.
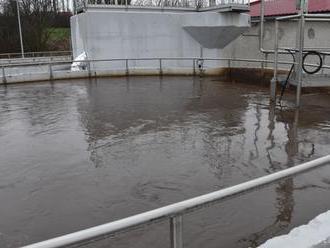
pixel 175 211
pixel 5 72
pixel 34 54
pixel 139 59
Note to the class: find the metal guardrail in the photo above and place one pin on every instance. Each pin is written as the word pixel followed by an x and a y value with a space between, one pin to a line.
pixel 197 65
pixel 176 211
pixel 35 54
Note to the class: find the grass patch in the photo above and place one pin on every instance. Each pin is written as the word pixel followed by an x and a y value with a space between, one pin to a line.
pixel 57 34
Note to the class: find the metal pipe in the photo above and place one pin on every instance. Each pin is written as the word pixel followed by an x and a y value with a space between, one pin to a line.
pixel 317 19
pixel 288 17
pixel 317 15
pixel 262 26
pixel 299 68
pixel 274 79
pixel 179 208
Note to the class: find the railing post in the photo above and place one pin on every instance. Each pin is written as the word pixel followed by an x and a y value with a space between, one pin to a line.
pixel 127 69
pixel 274 80
pixel 50 71
pixel 300 55
pixel 160 67
pixel 176 232
pixel 4 79
pixel 89 69
pixel 194 67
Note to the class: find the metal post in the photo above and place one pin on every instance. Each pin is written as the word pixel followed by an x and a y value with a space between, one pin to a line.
pixel 299 71
pixel 4 79
pixel 127 69
pixel 176 232
pixel 160 67
pixel 274 79
pixel 323 58
pixel 194 67
pixel 89 69
pixel 20 28
pixel 50 72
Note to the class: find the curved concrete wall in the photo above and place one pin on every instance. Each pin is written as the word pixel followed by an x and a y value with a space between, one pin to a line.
pixel 124 34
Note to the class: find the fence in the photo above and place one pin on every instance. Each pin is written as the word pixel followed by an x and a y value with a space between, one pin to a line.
pixel 35 54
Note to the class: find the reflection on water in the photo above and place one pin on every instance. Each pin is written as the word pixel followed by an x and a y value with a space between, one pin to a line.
pixel 78 154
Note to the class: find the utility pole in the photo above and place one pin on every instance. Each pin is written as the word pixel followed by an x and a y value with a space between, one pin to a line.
pixel 20 28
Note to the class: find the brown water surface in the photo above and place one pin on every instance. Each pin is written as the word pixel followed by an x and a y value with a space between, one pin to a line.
pixel 81 153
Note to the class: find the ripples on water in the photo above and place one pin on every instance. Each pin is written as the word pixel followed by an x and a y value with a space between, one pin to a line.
pixel 78 154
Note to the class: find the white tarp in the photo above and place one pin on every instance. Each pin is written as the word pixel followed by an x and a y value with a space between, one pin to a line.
pixel 317 231
pixel 79 65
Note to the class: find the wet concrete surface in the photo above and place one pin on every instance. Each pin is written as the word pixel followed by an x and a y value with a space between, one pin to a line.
pixel 82 153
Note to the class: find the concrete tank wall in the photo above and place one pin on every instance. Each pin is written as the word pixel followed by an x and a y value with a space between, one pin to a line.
pixel 125 34
pixel 247 45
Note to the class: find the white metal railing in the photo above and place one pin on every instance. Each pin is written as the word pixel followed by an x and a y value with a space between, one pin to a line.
pixel 35 54
pixel 196 66
pixel 175 212
pixel 49 68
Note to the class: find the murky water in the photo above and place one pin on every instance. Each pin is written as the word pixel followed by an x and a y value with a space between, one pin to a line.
pixel 81 153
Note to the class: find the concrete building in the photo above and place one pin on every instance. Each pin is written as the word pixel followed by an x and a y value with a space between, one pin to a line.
pixel 105 32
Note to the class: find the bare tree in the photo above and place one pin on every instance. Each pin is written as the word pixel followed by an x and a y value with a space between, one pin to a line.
pixel 37 17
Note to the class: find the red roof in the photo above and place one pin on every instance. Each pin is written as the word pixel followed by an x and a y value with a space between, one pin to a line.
pixel 288 7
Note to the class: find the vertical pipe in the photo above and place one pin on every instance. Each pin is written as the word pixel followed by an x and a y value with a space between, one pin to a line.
pixel 301 30
pixel 262 25
pixel 274 80
pixel 20 28
pixel 176 232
